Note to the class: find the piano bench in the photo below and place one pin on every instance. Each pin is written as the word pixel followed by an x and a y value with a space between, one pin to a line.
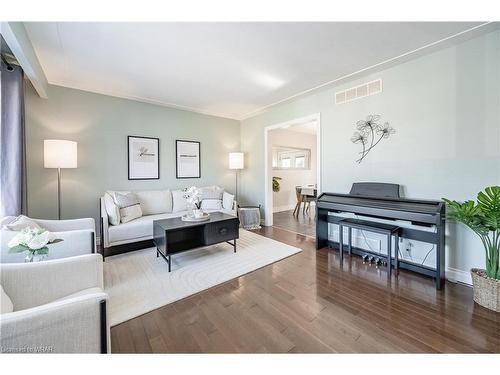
pixel 370 226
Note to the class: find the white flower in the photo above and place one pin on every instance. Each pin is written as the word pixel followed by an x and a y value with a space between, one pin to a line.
pixel 38 241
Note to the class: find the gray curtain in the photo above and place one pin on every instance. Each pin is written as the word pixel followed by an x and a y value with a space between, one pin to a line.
pixel 12 143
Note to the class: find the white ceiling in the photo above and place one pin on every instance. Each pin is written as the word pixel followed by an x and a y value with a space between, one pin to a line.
pixel 225 69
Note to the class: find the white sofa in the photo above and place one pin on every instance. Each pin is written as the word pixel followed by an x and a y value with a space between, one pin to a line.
pixel 78 237
pixel 56 306
pixel 141 229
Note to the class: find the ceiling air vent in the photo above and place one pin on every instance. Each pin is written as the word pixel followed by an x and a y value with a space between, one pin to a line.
pixel 358 92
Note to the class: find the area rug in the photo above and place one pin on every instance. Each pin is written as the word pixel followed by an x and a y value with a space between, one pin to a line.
pixel 138 282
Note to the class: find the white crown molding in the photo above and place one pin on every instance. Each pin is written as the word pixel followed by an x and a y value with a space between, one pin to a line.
pixel 142 100
pixel 484 28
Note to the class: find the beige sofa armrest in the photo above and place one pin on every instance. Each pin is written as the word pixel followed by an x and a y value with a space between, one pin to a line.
pixel 68 326
pixel 34 284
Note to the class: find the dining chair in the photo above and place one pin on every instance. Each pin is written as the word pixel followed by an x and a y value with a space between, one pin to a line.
pixel 298 194
pixel 308 196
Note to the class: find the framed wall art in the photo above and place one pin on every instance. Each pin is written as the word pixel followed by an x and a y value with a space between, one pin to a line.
pixel 143 158
pixel 187 159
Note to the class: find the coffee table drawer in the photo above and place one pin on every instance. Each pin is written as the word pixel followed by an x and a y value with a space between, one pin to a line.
pixel 221 231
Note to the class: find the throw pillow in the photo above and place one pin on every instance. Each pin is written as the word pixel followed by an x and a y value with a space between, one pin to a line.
pixel 130 207
pixel 211 192
pixel 211 204
pixel 179 203
pixel 130 213
pixel 21 222
pixel 227 201
pixel 112 210
pixel 5 302
pixel 155 201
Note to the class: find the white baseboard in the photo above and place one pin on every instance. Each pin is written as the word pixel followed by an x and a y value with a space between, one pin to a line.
pixel 460 276
pixel 283 208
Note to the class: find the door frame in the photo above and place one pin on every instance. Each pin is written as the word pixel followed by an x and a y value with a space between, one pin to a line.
pixel 268 191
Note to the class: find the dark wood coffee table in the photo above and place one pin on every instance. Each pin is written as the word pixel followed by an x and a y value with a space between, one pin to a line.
pixel 172 236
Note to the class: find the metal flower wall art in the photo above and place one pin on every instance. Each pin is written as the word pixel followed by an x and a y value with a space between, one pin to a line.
pixel 369 133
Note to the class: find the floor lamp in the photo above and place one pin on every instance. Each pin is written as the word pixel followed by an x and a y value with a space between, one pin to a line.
pixel 59 154
pixel 236 162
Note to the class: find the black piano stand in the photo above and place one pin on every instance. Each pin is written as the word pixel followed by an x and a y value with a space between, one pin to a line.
pixel 380 228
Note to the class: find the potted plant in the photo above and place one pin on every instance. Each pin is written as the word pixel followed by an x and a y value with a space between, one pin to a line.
pixel 34 241
pixel 276 184
pixel 483 218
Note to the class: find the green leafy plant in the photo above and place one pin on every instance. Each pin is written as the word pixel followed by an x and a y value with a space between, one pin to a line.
pixel 276 184
pixel 483 217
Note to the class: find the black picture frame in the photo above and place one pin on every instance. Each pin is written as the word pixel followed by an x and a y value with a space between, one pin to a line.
pixel 177 174
pixel 130 177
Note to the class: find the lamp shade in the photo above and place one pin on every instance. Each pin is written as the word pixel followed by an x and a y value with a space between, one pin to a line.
pixel 236 160
pixel 59 153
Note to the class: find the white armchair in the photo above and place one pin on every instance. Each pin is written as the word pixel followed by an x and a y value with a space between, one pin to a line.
pixel 59 306
pixel 78 236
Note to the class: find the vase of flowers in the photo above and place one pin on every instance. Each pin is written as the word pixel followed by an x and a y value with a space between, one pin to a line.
pixel 34 241
pixel 483 218
pixel 192 196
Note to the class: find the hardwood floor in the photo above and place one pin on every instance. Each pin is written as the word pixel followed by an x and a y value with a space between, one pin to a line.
pixel 302 223
pixel 307 303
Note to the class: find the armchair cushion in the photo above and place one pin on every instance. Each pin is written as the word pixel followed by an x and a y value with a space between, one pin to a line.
pixel 6 305
pixel 21 222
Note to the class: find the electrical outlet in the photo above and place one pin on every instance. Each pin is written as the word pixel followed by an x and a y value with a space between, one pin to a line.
pixel 409 245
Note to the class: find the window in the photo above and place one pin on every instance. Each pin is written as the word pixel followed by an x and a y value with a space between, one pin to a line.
pixel 291 158
pixel 285 163
pixel 300 162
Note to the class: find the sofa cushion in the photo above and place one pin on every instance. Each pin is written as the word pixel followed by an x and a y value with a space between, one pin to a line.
pixel 21 222
pixel 138 228
pixel 227 201
pixel 178 201
pixel 155 201
pixel 211 204
pixel 5 302
pixel 211 192
pixel 112 210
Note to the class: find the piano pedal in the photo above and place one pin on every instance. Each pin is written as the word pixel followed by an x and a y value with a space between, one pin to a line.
pixel 371 259
pixel 378 262
pixel 365 258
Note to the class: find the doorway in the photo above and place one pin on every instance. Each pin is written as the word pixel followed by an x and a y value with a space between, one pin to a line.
pixel 292 173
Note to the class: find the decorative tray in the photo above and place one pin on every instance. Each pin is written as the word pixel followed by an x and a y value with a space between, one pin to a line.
pixel 205 217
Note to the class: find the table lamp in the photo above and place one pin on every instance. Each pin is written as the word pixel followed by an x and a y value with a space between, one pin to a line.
pixel 236 162
pixel 59 154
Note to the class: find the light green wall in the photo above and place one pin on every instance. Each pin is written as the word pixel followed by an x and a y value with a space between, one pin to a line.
pixel 100 124
pixel 445 108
